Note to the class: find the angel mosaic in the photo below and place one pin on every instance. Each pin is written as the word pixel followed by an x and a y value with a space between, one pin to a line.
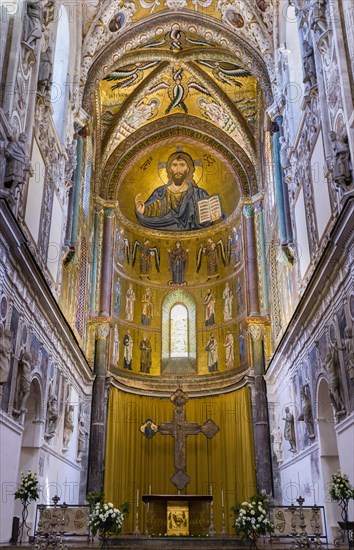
pixel 179 91
pixel 213 251
pixel 227 73
pixel 130 74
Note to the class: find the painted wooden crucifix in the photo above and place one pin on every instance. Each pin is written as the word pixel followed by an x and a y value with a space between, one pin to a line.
pixel 179 429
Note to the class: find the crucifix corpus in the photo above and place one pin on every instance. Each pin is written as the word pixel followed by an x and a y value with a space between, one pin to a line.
pixel 179 429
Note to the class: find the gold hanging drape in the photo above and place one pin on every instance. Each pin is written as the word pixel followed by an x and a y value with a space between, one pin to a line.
pixel 223 464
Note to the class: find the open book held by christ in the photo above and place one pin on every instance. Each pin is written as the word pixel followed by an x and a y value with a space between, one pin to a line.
pixel 209 209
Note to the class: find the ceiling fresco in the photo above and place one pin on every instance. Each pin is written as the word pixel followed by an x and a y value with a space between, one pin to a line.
pixel 205 69
pixel 250 19
pixel 177 89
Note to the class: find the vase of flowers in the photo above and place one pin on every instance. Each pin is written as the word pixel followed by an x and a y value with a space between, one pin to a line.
pixel 27 491
pixel 107 520
pixel 342 492
pixel 251 518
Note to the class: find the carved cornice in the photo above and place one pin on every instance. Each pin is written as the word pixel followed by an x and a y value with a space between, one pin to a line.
pixel 195 386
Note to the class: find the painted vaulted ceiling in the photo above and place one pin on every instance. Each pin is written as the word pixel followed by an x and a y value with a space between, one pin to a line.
pixel 207 61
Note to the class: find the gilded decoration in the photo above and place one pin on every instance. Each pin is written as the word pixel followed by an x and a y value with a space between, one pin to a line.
pixel 178 120
pixel 147 176
pixel 172 34
pixel 216 88
pixel 180 128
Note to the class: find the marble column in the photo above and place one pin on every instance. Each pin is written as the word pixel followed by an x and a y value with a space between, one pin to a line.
pixel 259 207
pixel 77 192
pixel 106 265
pixel 261 433
pixel 94 260
pixel 286 202
pixel 278 183
pixel 98 413
pixel 251 260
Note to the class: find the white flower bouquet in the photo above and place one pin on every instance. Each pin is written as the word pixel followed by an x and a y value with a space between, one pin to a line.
pixel 28 488
pixel 342 491
pixel 340 488
pixel 106 519
pixel 251 518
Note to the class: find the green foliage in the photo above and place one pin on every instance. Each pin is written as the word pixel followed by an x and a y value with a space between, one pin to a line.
pixel 95 497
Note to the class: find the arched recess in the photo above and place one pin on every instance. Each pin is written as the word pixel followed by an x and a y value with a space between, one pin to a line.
pixel 182 128
pixel 329 460
pixel 34 419
pixel 32 437
pixel 177 365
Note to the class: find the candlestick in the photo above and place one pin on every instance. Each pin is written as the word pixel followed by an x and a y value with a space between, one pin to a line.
pixel 211 489
pixel 291 492
pixel 137 498
pixel 222 498
pixel 149 489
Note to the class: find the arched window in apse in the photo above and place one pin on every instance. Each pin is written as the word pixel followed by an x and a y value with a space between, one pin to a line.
pixel 178 331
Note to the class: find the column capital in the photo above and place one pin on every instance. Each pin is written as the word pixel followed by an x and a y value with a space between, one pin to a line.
pixel 109 212
pixel 106 204
pixel 248 210
pixel 256 331
pixel 102 330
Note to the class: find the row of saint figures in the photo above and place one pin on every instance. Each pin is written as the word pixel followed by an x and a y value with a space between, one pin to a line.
pixel 123 351
pixel 209 303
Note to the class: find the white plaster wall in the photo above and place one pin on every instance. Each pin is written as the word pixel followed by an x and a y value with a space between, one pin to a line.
pixel 301 233
pixel 35 192
pixel 320 186
pixel 301 476
pixel 345 441
pixel 55 238
pixel 61 478
pixel 10 441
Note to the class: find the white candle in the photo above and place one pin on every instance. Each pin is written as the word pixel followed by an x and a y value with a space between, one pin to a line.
pixel 137 498
pixel 211 489
pixel 222 498
pixel 149 489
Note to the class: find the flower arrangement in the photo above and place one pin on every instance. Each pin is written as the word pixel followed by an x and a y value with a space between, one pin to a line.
pixel 106 519
pixel 28 488
pixel 341 488
pixel 251 518
pixel 342 491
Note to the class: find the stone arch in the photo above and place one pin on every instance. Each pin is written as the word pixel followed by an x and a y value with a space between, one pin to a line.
pixel 34 417
pixel 178 126
pixel 179 365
